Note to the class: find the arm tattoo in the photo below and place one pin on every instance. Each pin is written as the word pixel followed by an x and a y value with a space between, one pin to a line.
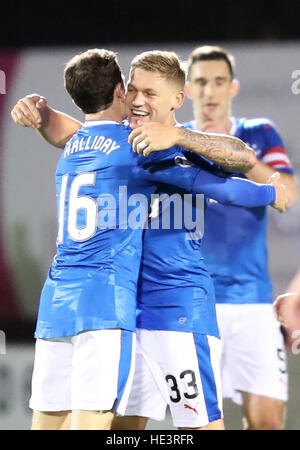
pixel 229 152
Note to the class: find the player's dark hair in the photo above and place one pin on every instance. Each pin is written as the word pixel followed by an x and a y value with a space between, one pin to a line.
pixel 91 78
pixel 211 53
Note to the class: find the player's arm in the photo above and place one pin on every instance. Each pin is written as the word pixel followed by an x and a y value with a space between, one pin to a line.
pixel 54 126
pixel 262 172
pixel 232 154
pixel 227 190
pixel 274 158
pixel 238 191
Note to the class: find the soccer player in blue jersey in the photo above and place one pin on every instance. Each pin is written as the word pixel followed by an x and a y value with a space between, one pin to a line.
pixel 164 309
pixel 235 249
pixel 85 333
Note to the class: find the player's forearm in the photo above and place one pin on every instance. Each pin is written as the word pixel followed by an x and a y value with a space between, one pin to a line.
pixel 261 172
pixel 57 127
pixel 234 191
pixel 229 191
pixel 229 152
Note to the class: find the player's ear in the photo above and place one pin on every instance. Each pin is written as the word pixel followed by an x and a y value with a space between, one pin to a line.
pixel 188 91
pixel 235 86
pixel 120 92
pixel 178 100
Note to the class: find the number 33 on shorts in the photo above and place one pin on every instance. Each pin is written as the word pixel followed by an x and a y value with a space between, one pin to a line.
pixel 179 369
pixel 195 392
pixel 176 397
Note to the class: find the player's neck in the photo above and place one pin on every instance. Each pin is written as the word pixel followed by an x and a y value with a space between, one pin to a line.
pixel 111 113
pixel 201 121
pixel 171 120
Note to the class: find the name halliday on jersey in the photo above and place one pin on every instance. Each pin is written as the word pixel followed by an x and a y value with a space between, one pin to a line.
pixel 100 143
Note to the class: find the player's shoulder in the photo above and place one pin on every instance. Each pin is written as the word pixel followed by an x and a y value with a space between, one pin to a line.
pixel 261 130
pixel 90 125
pixel 104 128
pixel 257 125
pixel 190 124
pixel 97 140
pixel 124 128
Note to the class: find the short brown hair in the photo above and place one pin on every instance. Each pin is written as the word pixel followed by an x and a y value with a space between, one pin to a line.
pixel 167 64
pixel 211 53
pixel 91 78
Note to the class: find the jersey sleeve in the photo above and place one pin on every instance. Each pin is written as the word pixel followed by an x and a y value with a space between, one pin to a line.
pixel 178 171
pixel 233 190
pixel 274 153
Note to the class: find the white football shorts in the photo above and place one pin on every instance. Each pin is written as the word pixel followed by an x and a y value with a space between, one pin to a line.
pixel 253 357
pixel 178 369
pixel 90 371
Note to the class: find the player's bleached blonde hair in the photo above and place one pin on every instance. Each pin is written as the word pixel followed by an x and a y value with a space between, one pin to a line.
pixel 212 53
pixel 167 64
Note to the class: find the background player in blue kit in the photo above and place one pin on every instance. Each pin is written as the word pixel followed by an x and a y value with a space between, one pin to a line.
pixel 154 82
pixel 235 249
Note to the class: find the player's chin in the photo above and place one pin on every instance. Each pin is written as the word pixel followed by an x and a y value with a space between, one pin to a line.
pixel 214 112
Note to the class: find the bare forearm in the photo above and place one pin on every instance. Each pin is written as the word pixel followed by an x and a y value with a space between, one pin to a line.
pixel 261 172
pixel 229 152
pixel 57 127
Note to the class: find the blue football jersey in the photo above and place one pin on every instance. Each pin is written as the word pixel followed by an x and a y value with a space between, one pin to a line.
pixel 175 290
pixel 235 242
pixel 103 198
pixel 92 281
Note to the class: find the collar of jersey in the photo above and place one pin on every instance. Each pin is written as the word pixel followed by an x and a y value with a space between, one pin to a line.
pixel 91 123
pixel 234 125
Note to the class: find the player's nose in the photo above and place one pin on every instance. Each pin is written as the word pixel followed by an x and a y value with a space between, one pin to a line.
pixel 208 90
pixel 138 100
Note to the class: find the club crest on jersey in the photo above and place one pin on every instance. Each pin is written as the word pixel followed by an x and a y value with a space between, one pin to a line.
pixel 182 162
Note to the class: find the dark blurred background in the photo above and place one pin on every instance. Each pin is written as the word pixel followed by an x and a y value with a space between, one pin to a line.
pixel 146 21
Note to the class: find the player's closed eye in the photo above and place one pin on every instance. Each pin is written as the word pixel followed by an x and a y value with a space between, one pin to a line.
pixel 200 82
pixel 220 81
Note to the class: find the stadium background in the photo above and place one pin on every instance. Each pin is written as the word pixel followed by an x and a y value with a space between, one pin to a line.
pixel 265 38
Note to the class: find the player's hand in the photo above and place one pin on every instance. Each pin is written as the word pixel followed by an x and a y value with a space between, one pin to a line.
pixel 215 125
pixel 152 136
pixel 287 311
pixel 28 111
pixel 281 195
